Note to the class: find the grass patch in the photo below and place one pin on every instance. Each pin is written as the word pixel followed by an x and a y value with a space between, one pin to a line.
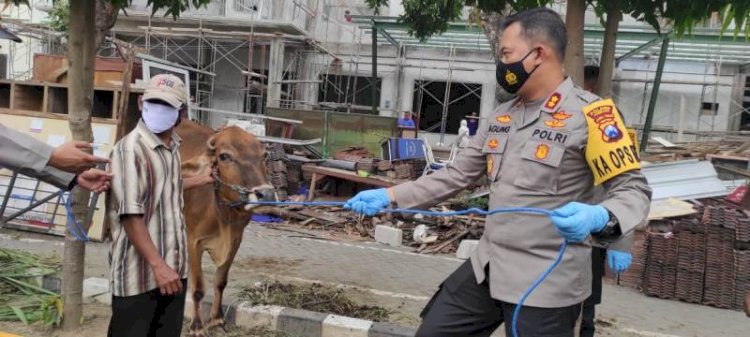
pixel 21 296
pixel 313 297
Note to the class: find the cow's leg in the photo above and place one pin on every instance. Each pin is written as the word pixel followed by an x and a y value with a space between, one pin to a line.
pixel 195 253
pixel 220 283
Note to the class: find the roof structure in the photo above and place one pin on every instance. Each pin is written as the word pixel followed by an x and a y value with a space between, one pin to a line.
pixel 703 45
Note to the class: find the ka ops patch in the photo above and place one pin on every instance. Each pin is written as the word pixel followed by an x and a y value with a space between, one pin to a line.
pixel 609 150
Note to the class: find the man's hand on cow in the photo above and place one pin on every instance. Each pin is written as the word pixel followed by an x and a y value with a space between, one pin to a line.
pixel 168 280
pixel 71 157
pixel 94 180
pixel 197 180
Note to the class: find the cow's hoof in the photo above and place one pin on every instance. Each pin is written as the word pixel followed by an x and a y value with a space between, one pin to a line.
pixel 217 322
pixel 197 329
pixel 197 333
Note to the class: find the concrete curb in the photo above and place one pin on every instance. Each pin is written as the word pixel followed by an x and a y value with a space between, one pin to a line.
pixel 294 322
pixel 302 323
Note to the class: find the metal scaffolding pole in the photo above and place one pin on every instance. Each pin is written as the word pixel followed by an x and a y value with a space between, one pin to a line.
pixel 374 83
pixel 654 94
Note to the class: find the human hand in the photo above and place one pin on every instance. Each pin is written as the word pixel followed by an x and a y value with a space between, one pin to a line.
pixel 71 157
pixel 576 221
pixel 94 180
pixel 168 280
pixel 619 261
pixel 369 202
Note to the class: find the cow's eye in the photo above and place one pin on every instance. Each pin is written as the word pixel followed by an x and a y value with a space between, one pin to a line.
pixel 225 157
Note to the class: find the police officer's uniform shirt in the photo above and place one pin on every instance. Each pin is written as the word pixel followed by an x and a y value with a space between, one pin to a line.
pixel 540 161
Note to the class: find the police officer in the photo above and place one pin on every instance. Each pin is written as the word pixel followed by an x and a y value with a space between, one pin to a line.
pixel 547 148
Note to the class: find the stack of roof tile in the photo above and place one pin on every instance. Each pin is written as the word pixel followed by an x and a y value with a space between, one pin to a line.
pixel 661 268
pixel 720 281
pixel 691 260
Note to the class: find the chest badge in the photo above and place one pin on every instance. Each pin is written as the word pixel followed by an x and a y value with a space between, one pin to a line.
pixel 554 123
pixel 561 116
pixel 490 165
pixel 504 119
pixel 542 152
pixel 493 143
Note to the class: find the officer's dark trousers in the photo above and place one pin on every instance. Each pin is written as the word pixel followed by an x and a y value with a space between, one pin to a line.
pixel 588 316
pixel 148 315
pixel 464 308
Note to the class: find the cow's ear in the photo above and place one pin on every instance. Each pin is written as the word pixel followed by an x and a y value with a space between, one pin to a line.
pixel 196 166
pixel 211 144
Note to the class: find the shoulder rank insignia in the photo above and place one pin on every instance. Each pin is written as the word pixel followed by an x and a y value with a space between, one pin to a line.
pixel 553 101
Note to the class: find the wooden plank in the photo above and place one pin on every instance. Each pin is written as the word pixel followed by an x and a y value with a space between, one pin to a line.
pixel 351 176
pixel 40 114
pixel 313 185
pixel 669 208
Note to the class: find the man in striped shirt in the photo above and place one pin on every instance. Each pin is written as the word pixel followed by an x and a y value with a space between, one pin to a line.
pixel 148 256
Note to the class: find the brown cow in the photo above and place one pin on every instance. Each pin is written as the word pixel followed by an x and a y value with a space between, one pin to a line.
pixel 216 215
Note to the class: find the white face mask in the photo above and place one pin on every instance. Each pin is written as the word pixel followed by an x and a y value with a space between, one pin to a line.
pixel 159 117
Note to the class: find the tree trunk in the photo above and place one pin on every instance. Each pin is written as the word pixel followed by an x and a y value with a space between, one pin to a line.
pixel 81 50
pixel 574 20
pixel 490 23
pixel 106 17
pixel 607 64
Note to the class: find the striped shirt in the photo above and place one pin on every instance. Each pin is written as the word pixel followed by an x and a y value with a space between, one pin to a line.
pixel 146 182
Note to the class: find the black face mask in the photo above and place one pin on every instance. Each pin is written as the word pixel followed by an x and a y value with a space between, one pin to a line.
pixel 512 76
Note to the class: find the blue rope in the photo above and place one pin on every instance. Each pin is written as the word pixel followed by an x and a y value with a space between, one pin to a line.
pixel 537 282
pixel 473 210
pixel 72 220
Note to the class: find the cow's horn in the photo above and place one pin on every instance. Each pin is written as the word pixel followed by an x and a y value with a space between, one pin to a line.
pixel 211 143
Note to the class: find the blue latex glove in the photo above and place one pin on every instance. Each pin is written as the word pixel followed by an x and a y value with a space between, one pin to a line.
pixel 369 202
pixel 576 221
pixel 619 261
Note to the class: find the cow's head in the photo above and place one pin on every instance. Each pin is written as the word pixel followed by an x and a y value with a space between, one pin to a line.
pixel 239 168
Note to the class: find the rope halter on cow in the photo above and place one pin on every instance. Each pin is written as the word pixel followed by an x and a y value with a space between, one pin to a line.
pixel 247 195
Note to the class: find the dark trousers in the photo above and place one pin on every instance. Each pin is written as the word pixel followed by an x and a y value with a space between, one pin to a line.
pixel 588 316
pixel 464 308
pixel 148 315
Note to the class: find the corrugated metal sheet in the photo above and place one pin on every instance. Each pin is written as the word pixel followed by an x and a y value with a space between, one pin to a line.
pixel 684 180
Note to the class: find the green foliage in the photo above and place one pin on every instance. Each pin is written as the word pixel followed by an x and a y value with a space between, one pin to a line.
pixel 21 299
pixel 172 7
pixel 59 16
pixel 425 18
pixel 376 4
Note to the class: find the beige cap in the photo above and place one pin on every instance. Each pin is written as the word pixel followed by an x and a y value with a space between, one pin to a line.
pixel 168 88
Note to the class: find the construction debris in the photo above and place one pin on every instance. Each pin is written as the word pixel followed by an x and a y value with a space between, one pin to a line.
pixel 313 297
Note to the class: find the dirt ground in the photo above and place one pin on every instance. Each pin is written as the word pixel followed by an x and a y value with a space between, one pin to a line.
pixel 96 322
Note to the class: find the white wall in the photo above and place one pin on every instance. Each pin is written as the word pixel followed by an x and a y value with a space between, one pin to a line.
pixel 684 87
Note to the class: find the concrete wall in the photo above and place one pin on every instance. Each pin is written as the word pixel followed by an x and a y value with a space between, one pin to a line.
pixel 684 87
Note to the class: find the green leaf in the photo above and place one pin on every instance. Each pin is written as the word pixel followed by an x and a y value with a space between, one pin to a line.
pixel 19 313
